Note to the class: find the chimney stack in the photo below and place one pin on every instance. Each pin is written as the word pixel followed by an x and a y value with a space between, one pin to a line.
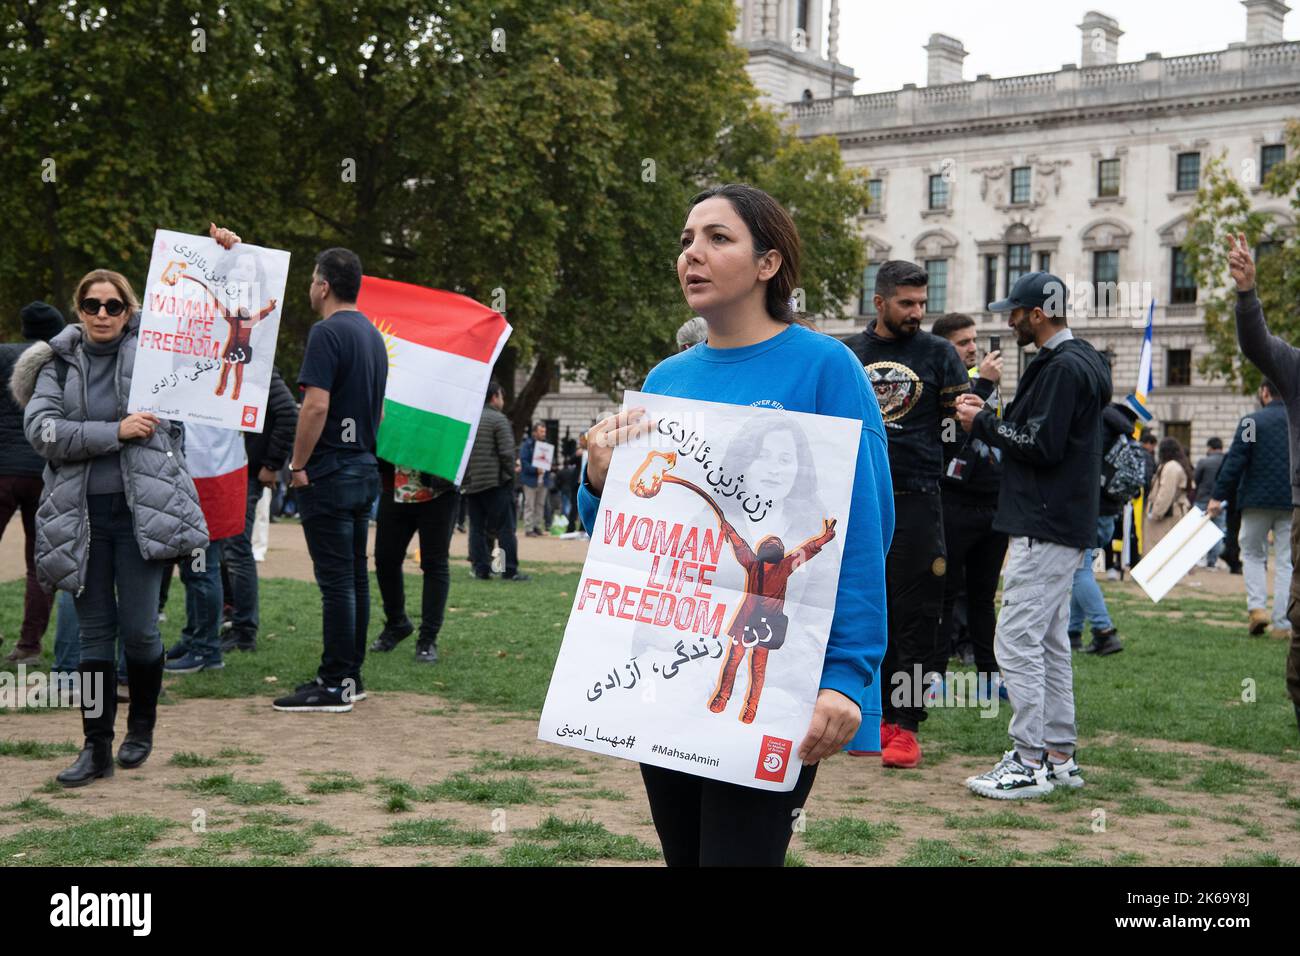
pixel 1264 20
pixel 1100 39
pixel 943 60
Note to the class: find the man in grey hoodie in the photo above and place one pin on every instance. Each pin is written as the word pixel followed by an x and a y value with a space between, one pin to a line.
pixel 1280 363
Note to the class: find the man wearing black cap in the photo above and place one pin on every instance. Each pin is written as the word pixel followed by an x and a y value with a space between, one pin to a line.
pixel 917 378
pixel 1050 436
pixel 20 477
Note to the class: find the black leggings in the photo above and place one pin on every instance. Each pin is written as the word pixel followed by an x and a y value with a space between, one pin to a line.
pixel 397 523
pixel 704 822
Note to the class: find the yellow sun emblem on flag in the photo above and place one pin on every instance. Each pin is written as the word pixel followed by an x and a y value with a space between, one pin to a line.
pixel 390 341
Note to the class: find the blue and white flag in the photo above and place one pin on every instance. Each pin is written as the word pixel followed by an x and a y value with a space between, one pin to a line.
pixel 1137 400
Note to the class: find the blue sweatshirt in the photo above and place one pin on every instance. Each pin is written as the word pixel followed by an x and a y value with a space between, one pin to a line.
pixel 800 370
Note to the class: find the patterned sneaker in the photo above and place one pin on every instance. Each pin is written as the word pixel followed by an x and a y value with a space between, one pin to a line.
pixel 1011 779
pixel 1066 774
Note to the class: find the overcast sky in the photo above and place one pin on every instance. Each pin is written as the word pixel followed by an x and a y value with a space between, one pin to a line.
pixel 882 39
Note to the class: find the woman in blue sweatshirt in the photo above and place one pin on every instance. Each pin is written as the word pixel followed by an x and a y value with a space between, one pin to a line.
pixel 738 268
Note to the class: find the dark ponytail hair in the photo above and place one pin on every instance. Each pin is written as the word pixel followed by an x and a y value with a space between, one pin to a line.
pixel 772 229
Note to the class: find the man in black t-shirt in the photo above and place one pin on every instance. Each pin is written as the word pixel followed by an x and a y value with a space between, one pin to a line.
pixel 917 378
pixel 336 476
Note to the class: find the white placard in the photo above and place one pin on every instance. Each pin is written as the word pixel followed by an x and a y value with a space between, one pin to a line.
pixel 543 455
pixel 1186 543
pixel 700 622
pixel 208 326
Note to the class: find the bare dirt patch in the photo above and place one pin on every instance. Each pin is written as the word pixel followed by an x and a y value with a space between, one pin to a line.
pixel 422 740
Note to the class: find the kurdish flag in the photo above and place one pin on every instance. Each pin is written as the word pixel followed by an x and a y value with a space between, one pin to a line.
pixel 441 349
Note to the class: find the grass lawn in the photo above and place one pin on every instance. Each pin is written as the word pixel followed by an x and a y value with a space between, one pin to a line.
pixel 1182 678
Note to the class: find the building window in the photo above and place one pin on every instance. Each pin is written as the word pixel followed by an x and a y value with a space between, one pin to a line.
pixel 1189 172
pixel 1269 157
pixel 1044 262
pixel 1178 367
pixel 990 279
pixel 1105 274
pixel 1181 431
pixel 938 192
pixel 1020 184
pixel 1264 247
pixel 1108 177
pixel 876 190
pixel 869 288
pixel 801 15
pixel 1017 263
pixel 1182 286
pixel 937 299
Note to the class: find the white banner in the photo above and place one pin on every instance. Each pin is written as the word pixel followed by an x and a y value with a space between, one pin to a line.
pixel 697 635
pixel 1186 543
pixel 208 327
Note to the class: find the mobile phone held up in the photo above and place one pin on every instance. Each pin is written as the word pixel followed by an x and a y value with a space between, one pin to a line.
pixel 995 343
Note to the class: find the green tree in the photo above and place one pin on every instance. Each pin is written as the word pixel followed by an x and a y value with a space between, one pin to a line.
pixel 1223 207
pixel 537 155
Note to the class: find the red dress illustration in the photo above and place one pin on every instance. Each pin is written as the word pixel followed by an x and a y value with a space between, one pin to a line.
pixel 238 350
pixel 759 624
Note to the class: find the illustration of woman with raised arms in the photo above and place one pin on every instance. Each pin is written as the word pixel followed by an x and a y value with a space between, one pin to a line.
pixel 759 623
pixel 238 350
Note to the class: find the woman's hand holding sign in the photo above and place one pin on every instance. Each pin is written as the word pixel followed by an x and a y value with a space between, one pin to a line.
pixel 834 722
pixel 607 433
pixel 137 425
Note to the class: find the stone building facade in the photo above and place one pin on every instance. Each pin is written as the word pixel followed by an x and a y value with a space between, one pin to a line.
pixel 1088 171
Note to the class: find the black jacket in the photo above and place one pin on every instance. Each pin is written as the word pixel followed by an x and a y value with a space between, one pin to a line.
pixel 1257 470
pixel 272 446
pixel 17 457
pixel 1050 436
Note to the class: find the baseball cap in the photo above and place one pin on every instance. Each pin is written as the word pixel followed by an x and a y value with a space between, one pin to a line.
pixel 1035 290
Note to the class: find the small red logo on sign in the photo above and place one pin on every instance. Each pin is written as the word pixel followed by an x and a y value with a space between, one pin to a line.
pixel 773 758
pixel 250 415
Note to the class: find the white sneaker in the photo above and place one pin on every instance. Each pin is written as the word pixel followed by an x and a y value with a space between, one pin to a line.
pixel 1065 774
pixel 498 560
pixel 1011 779
pixel 1112 574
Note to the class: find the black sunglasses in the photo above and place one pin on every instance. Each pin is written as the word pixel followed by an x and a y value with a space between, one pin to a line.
pixel 113 307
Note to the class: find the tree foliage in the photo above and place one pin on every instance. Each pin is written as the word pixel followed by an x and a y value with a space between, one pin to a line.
pixel 1224 207
pixel 535 153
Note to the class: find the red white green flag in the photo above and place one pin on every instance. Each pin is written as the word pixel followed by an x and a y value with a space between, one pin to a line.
pixel 441 349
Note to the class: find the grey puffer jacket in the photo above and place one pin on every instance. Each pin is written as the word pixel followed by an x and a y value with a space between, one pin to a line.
pixel 159 491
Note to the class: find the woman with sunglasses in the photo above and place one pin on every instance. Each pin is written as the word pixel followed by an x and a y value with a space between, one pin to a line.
pixel 738 268
pixel 118 505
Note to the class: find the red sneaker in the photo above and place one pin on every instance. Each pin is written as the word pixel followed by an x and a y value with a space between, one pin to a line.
pixel 902 750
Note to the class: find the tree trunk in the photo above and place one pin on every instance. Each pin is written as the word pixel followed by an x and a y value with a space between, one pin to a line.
pixel 540 381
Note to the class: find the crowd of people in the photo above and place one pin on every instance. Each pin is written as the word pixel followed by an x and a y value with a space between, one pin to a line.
pixel 954 491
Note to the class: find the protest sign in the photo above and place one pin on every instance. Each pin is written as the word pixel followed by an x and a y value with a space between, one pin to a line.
pixel 697 633
pixel 208 325
pixel 1186 543
pixel 441 349
pixel 543 455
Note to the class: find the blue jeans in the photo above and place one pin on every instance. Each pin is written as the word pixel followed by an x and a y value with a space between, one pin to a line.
pixel 237 553
pixel 202 631
pixel 1086 602
pixel 67 635
pixel 335 520
pixel 120 596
